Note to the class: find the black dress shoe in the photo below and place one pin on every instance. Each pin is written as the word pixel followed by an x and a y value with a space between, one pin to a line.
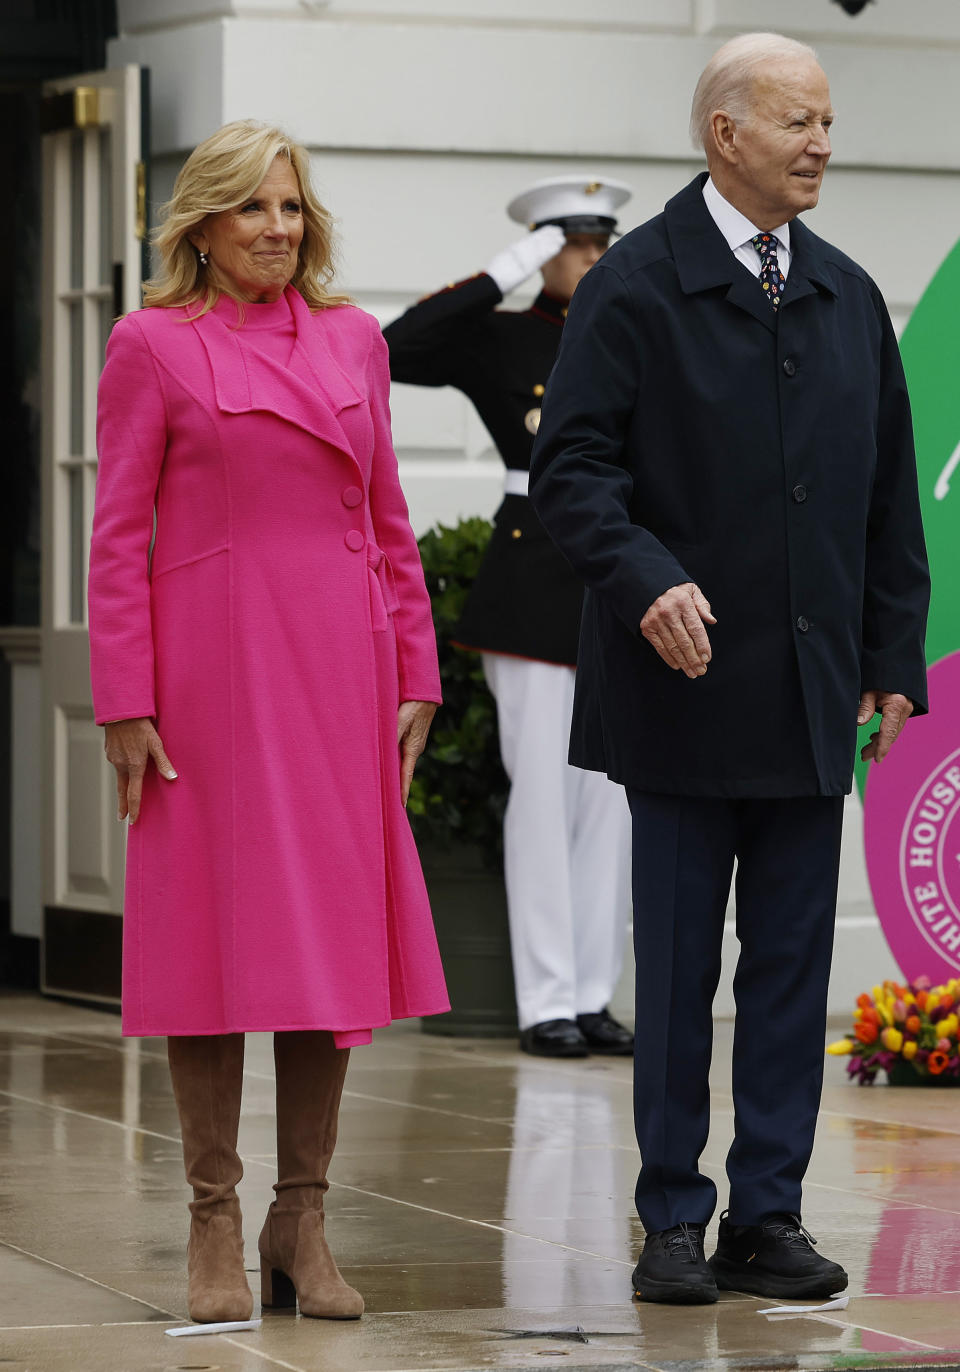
pixel 554 1038
pixel 773 1258
pixel 605 1035
pixel 672 1268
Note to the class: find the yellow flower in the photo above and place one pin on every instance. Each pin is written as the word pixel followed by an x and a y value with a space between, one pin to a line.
pixel 909 997
pixel 947 1027
pixel 892 1039
pixel 910 1049
pixel 840 1047
pixel 885 1012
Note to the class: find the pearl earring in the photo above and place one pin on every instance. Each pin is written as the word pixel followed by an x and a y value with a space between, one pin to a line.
pixel 203 259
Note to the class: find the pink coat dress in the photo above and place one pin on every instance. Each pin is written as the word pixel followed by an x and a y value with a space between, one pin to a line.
pixel 271 632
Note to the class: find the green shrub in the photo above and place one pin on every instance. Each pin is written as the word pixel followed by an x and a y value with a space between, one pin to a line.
pixel 459 791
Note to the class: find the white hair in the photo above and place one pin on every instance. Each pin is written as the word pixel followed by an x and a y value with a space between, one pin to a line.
pixel 728 78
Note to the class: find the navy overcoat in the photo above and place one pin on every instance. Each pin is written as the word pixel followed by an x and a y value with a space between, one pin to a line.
pixel 689 433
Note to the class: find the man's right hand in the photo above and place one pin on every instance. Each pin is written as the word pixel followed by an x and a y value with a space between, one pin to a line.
pixel 673 625
pixel 129 744
pixel 512 266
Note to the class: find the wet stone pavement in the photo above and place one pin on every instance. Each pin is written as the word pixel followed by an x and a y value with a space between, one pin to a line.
pixel 481 1200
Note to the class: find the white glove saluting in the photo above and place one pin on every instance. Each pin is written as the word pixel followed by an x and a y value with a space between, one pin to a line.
pixel 512 266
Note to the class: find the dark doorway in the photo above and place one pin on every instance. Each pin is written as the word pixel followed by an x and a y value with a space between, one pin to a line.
pixel 39 39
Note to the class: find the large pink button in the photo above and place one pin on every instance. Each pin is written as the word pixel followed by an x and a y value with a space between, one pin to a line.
pixel 354 540
pixel 352 497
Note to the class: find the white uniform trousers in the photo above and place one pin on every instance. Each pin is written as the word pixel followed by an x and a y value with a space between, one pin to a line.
pixel 566 839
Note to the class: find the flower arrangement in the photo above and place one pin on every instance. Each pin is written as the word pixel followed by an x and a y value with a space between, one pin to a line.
pixel 910 1031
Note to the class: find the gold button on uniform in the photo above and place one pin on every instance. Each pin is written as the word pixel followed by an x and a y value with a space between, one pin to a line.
pixel 516 533
pixel 538 390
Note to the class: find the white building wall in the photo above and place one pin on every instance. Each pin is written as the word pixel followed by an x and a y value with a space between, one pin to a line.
pixel 424 117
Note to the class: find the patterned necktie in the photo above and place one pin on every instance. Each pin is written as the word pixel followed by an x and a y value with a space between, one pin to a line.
pixel 771 277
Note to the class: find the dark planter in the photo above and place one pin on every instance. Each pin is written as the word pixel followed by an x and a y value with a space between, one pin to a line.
pixel 469 906
pixel 905 1074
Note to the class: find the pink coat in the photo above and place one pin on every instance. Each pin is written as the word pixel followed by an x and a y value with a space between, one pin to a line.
pixel 272 632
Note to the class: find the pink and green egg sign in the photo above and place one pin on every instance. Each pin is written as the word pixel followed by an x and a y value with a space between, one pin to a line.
pixel 912 801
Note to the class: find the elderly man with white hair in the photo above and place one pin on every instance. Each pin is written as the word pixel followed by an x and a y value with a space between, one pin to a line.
pixel 725 457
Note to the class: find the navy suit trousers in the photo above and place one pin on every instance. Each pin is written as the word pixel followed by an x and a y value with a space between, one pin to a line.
pixel 788 857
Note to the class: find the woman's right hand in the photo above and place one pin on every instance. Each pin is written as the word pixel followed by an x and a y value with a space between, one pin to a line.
pixel 129 744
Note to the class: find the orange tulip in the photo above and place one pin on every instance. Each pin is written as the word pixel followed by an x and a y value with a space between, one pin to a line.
pixel 867 1032
pixel 913 1024
pixel 863 1000
pixel 936 1062
pixel 870 1015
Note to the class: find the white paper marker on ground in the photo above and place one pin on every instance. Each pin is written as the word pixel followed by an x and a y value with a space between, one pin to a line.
pixel 838 1303
pixel 229 1327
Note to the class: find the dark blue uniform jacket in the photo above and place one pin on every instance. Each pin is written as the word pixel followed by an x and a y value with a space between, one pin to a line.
pixel 525 601
pixel 689 433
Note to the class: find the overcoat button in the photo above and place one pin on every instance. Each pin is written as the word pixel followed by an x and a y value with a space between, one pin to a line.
pixel 803 624
pixel 352 497
pixel 354 540
pixel 790 367
pixel 799 494
pixel 516 533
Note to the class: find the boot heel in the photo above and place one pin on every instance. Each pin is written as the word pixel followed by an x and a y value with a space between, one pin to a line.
pixel 276 1288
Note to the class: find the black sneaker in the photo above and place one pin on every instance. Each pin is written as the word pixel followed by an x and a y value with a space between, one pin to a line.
pixel 673 1269
pixel 773 1258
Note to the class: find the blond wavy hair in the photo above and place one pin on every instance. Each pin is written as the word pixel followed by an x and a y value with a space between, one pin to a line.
pixel 221 173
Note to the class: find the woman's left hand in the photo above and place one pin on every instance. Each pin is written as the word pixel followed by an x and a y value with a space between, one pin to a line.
pixel 413 725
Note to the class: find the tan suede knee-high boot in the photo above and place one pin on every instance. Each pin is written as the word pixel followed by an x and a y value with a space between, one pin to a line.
pixel 295 1262
pixel 207 1074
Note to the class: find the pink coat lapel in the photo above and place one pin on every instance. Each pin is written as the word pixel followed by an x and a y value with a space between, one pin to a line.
pixel 310 392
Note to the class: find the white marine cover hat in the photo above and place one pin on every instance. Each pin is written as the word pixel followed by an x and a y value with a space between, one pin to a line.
pixel 576 203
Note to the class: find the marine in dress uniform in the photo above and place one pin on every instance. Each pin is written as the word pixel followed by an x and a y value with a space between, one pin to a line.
pixel 566 832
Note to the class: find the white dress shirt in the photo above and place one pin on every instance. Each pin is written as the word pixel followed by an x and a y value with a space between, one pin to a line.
pixel 738 231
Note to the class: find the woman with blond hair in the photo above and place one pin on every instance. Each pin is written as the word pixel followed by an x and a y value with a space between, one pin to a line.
pixel 275 632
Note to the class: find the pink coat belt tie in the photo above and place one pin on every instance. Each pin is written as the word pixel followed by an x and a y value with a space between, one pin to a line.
pixel 383 589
